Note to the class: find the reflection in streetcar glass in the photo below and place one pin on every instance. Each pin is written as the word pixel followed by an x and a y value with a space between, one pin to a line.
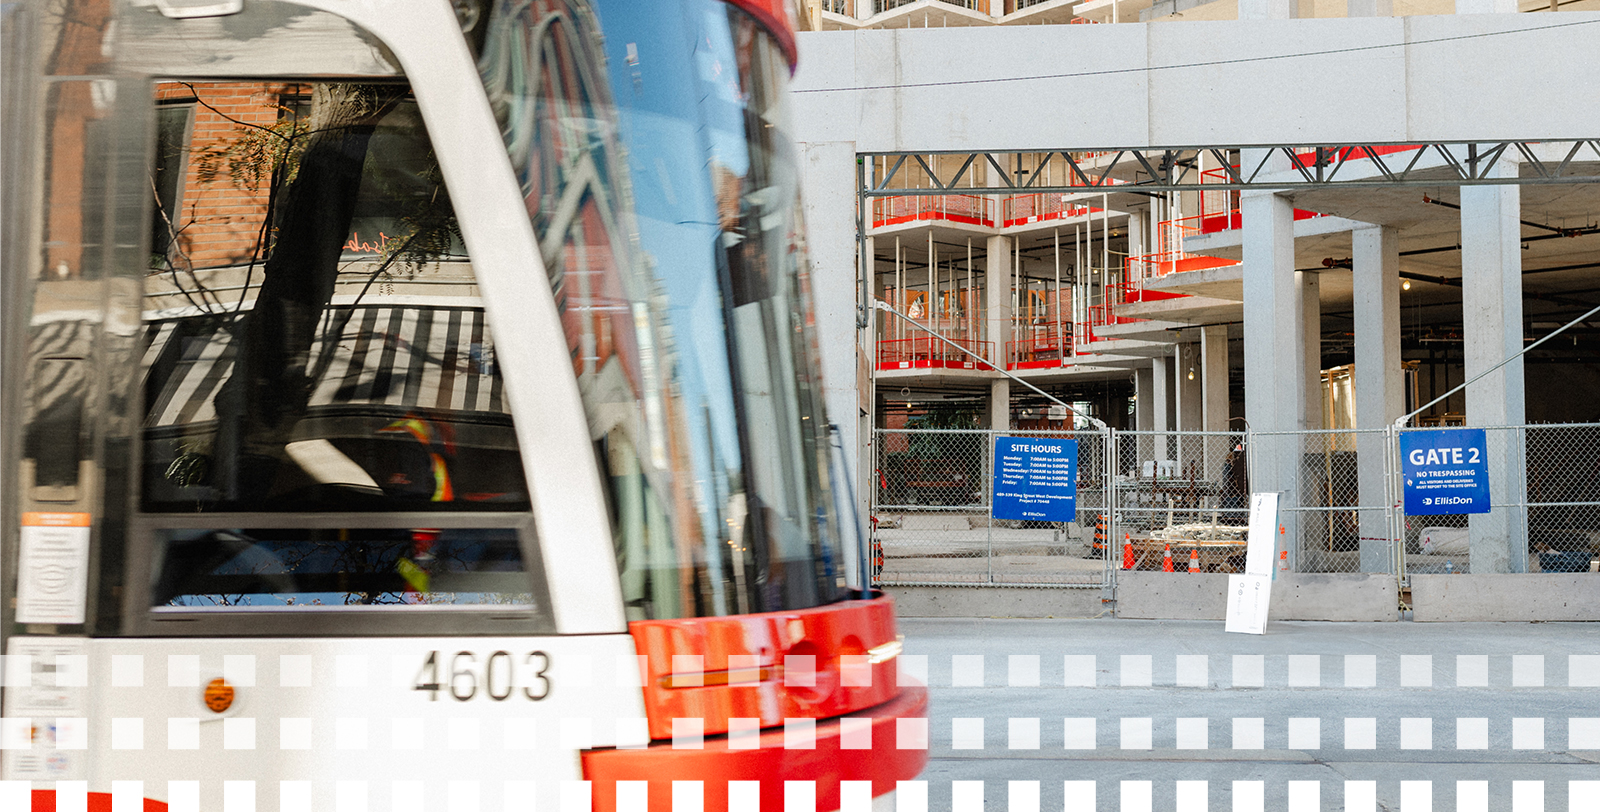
pixel 314 336
pixel 682 284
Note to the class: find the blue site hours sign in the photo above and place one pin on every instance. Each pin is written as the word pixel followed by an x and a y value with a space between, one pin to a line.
pixel 1446 471
pixel 1035 479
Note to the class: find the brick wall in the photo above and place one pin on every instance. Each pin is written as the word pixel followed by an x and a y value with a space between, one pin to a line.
pixel 218 222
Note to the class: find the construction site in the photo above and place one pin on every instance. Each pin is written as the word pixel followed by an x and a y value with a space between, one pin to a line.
pixel 1219 288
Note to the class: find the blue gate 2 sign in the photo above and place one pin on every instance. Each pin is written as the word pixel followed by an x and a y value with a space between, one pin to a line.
pixel 1035 479
pixel 1446 471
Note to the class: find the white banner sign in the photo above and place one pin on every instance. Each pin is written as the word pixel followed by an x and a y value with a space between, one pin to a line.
pixel 1250 594
pixel 1262 541
pixel 1248 597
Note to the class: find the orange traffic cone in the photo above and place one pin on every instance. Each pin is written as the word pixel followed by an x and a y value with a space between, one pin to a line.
pixel 1166 559
pixel 1127 552
pixel 1194 559
pixel 1100 536
pixel 1283 561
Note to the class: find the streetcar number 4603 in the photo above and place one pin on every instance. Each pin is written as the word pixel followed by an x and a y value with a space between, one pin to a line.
pixel 497 676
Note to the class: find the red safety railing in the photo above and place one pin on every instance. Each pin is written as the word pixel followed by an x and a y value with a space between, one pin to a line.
pixel 1101 315
pixel 927 352
pixel 1047 344
pixel 1022 209
pixel 970 209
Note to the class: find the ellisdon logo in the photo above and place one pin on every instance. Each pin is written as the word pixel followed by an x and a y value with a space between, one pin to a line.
pixel 1447 500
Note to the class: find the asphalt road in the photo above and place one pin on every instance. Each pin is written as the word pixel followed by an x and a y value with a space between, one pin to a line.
pixel 1132 716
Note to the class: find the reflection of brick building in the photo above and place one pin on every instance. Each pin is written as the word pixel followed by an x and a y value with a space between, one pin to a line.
pixel 217 219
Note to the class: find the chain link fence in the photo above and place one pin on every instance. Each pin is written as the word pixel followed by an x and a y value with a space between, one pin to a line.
pixel 1337 509
pixel 1183 496
pixel 932 523
pixel 1563 496
pixel 1145 496
pixel 1544 511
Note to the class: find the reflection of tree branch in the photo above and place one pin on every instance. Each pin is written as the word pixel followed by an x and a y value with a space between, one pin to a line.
pixel 167 259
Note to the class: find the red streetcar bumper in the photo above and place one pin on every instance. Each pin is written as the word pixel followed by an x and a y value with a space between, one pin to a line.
pixel 828 763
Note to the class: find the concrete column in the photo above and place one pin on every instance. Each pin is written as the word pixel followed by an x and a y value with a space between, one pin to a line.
pixel 1274 345
pixel 1491 311
pixel 1213 371
pixel 1000 404
pixel 1143 415
pixel 1186 385
pixel 867 397
pixel 997 296
pixel 1144 399
pixel 1379 380
pixel 1369 8
pixel 828 183
pixel 1136 233
pixel 1270 9
pixel 1161 411
pixel 1310 286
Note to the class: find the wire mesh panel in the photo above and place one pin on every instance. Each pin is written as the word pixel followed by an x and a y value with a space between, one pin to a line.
pixel 932 521
pixel 1563 497
pixel 1492 542
pixel 1080 547
pixel 1181 494
pixel 1340 514
pixel 1544 515
pixel 931 509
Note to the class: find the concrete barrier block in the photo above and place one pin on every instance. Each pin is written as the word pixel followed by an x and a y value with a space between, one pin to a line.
pixel 1521 597
pixel 1203 596
pixel 1335 596
pixel 991 601
pixel 1169 595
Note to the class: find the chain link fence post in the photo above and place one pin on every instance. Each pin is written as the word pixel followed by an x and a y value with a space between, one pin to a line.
pixel 1108 509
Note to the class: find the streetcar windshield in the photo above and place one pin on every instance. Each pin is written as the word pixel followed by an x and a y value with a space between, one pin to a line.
pixel 314 335
pixel 324 426
pixel 662 183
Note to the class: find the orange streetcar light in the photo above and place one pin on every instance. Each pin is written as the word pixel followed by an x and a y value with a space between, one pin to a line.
pixel 219 695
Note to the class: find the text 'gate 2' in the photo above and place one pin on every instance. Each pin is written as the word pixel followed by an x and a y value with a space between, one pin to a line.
pixel 1446 471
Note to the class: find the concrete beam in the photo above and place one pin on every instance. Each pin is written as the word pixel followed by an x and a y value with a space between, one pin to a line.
pixel 900 90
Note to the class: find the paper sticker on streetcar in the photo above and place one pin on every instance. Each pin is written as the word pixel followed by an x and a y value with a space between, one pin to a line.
pixel 1446 471
pixel 55 560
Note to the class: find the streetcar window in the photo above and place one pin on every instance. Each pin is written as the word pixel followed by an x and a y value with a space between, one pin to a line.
pixel 314 336
pixel 310 570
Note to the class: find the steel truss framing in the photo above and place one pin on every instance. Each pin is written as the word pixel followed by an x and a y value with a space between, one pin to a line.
pixel 1282 167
